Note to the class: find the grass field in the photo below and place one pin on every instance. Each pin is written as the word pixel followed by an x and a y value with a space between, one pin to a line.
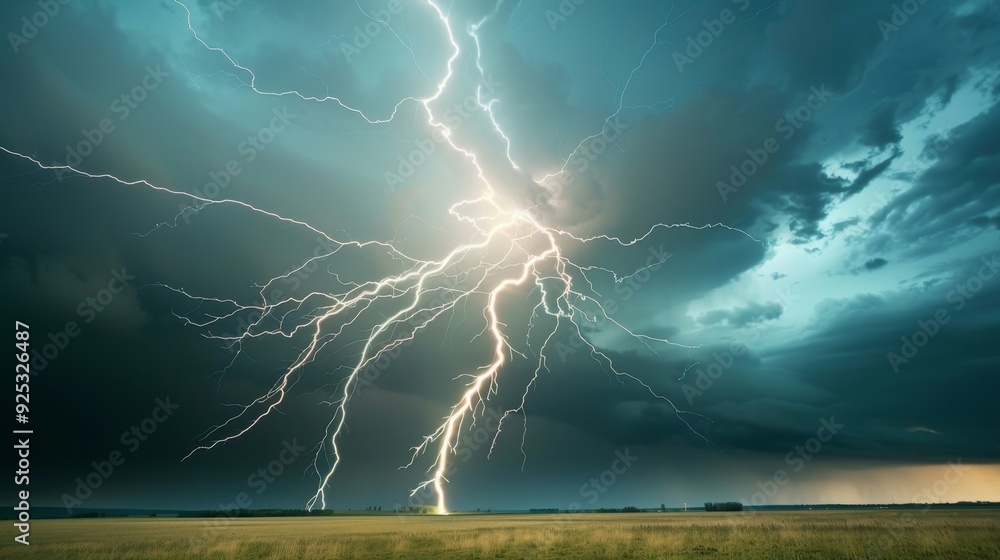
pixel 880 534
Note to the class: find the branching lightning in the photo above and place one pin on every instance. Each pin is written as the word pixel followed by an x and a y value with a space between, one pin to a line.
pixel 513 250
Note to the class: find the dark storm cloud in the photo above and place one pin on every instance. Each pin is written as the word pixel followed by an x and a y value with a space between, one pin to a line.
pixel 743 316
pixel 875 264
pixel 828 43
pixel 770 401
pixel 804 192
pixel 870 173
pixel 882 129
pixel 675 159
pixel 842 225
pixel 681 134
pixel 961 186
pixel 868 329
pixel 986 221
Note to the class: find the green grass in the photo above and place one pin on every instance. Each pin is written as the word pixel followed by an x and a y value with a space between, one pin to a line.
pixel 813 535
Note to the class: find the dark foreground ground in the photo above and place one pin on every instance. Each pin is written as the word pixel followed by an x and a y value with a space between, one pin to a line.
pixel 815 535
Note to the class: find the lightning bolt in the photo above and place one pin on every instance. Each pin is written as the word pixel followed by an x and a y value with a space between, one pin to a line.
pixel 512 251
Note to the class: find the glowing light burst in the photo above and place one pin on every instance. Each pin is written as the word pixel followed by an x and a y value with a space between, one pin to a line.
pixel 532 254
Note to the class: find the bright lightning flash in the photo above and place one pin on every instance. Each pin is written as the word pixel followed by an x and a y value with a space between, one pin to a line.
pixel 512 249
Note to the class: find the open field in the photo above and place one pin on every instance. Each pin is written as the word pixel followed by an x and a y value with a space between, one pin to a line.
pixel 815 535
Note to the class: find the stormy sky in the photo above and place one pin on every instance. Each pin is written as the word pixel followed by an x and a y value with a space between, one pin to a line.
pixel 840 330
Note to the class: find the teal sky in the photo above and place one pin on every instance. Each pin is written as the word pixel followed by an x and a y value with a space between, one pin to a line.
pixel 870 213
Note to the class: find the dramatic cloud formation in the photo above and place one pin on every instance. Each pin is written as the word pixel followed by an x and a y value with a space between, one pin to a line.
pixel 859 142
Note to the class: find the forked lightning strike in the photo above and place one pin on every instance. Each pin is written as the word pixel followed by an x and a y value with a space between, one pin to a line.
pixel 530 253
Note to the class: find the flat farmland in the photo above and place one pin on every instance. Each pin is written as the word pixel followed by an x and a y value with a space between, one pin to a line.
pixel 815 535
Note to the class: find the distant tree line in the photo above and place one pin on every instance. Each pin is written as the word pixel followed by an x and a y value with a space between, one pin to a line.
pixel 425 510
pixel 723 506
